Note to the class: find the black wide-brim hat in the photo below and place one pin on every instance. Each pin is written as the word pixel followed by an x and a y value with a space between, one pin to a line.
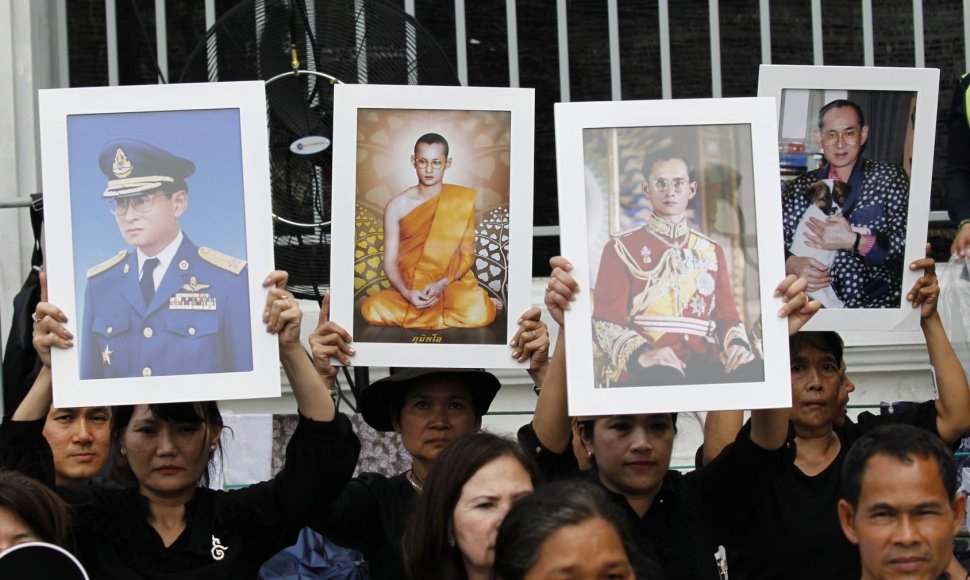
pixel 374 401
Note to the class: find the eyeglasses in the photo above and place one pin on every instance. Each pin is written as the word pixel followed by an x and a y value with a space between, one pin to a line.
pixel 849 137
pixel 140 203
pixel 663 184
pixel 423 163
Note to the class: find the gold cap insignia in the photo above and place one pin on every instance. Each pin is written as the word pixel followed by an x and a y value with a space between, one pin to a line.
pixel 121 167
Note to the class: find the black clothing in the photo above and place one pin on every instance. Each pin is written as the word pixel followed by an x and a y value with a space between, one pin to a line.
pixel 228 534
pixel 676 531
pixel 20 361
pixel 799 515
pixel 371 515
pixel 958 155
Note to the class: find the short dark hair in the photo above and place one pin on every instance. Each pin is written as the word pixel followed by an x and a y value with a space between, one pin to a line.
pixel 825 341
pixel 38 506
pixel 428 546
pixel 653 157
pixel 534 519
pixel 205 412
pixel 838 104
pixel 902 443
pixel 431 139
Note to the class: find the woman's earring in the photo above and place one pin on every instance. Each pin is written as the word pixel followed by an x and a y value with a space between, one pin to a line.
pixel 124 451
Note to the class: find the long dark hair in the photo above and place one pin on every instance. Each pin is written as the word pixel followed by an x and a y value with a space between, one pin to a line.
pixel 428 545
pixel 533 520
pixel 205 412
pixel 38 506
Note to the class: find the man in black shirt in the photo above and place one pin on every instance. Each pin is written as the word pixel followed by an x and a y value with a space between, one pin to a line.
pixel 900 503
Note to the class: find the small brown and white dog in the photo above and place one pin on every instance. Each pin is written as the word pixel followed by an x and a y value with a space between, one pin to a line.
pixel 826 198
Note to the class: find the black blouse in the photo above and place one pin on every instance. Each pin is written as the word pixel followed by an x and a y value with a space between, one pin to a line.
pixel 228 534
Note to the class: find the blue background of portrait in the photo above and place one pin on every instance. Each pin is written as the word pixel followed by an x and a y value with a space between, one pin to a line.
pixel 210 138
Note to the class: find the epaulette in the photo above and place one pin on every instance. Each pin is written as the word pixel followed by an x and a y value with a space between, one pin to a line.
pixel 220 260
pixel 701 237
pixel 107 264
pixel 627 232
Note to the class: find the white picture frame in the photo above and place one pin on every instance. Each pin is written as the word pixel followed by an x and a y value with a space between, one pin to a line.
pixel 221 128
pixel 750 167
pixel 908 144
pixel 490 150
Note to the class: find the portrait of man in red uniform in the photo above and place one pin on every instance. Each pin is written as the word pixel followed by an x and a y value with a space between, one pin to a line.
pixel 663 308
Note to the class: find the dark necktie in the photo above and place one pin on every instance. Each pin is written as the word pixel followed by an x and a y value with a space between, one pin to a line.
pixel 148 280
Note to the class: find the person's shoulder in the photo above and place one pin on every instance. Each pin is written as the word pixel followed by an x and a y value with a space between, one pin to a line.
pixel 401 202
pixel 629 236
pixel 872 166
pixel 805 179
pixel 460 189
pixel 107 264
pixel 703 240
pixel 222 261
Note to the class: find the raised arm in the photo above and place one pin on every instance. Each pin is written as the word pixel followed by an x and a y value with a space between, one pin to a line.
pixel 953 404
pixel 551 420
pixel 769 427
pixel 531 342
pixel 282 316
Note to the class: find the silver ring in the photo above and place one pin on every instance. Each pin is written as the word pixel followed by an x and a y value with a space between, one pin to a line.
pixel 34 317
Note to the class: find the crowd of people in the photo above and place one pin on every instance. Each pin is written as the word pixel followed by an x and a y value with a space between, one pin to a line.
pixel 800 492
pixel 476 505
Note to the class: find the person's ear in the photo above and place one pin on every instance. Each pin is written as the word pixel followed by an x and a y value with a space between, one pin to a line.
pixel 214 438
pixel 180 202
pixel 586 438
pixel 693 190
pixel 959 511
pixel 448 163
pixel 847 519
pixel 395 421
pixel 818 138
pixel 864 136
pixel 413 161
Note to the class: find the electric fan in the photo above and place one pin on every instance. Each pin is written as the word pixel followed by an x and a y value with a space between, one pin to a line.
pixel 301 49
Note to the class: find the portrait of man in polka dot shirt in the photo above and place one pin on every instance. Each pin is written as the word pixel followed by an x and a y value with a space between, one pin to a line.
pixel 870 234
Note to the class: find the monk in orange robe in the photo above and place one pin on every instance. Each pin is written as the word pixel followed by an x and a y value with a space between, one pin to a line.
pixel 429 250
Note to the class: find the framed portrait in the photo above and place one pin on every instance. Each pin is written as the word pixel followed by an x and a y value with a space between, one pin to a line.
pixel 432 222
pixel 158 239
pixel 856 162
pixel 669 219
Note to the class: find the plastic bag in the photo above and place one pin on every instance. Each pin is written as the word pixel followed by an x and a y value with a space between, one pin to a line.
pixel 954 306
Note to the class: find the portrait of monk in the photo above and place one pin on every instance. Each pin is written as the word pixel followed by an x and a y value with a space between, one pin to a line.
pixel 429 252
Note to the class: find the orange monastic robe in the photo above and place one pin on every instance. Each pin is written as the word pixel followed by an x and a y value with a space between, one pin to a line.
pixel 437 240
